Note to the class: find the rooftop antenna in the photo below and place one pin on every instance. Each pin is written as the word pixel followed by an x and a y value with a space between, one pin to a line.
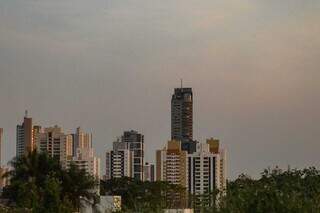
pixel 181 83
pixel 26 113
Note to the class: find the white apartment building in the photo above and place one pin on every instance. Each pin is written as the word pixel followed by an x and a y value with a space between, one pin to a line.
pixel 206 170
pixel 119 163
pixel 127 157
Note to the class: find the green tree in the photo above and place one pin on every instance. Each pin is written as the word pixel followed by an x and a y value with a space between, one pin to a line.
pixel 39 184
pixel 76 184
pixel 276 191
pixel 138 196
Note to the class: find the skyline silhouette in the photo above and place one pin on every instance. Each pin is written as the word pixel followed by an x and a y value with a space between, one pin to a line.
pixel 110 66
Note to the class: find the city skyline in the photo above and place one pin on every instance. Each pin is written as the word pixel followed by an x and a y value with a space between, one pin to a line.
pixel 110 66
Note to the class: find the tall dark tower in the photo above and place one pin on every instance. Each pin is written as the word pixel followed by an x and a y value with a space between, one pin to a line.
pixel 182 118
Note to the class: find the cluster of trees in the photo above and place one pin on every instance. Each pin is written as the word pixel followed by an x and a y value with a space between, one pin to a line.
pixel 139 196
pixel 275 191
pixel 39 184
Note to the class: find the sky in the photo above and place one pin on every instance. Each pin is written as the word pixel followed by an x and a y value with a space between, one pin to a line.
pixel 112 65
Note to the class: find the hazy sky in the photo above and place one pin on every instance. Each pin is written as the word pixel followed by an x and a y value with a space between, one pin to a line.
pixel 112 65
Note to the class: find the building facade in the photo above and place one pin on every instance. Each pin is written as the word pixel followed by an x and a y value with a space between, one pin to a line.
pixel 182 118
pixel 66 150
pixel 206 170
pixel 119 163
pixel 182 114
pixel 172 167
pixel 25 137
pixel 214 147
pixel 84 159
pixel 82 139
pixel 149 172
pixel 77 149
pixel 51 141
pixel 127 157
pixel 201 172
pixel 172 164
pixel 69 148
pixel 134 141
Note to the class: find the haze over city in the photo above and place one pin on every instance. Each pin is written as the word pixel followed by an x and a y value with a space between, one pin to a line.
pixel 110 66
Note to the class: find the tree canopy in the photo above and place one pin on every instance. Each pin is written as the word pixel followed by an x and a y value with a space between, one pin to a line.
pixel 139 196
pixel 276 191
pixel 39 184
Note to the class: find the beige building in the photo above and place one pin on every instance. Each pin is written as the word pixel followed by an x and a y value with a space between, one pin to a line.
pixel 200 172
pixel 69 148
pixel 82 139
pixel 85 159
pixel 51 140
pixel 26 132
pixel 78 149
pixel 171 164
pixel 66 150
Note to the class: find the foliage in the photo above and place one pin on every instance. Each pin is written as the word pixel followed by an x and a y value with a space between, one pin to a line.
pixel 39 184
pixel 276 191
pixel 138 196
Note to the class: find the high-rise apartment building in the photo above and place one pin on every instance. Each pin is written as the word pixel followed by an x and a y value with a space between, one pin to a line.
pixel 51 141
pixel 182 118
pixel 81 154
pixel 127 157
pixel 172 164
pixel 82 139
pixel 20 146
pixel 214 147
pixel 201 172
pixel 206 169
pixel 119 163
pixel 149 172
pixel 134 141
pixel 66 150
pixel 25 136
pixel 86 160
